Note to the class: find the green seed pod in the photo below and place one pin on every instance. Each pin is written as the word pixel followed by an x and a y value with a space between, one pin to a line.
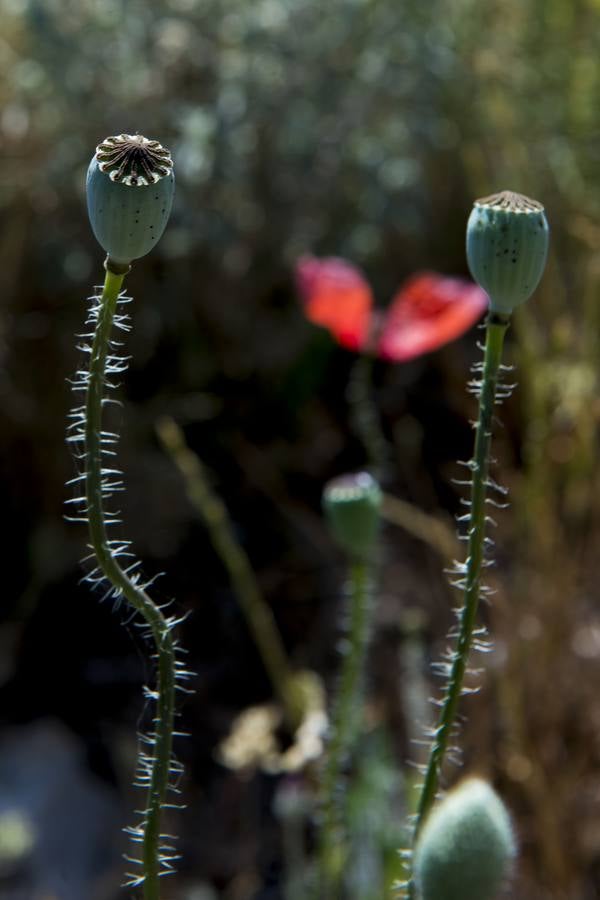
pixel 507 245
pixel 130 186
pixel 351 504
pixel 467 846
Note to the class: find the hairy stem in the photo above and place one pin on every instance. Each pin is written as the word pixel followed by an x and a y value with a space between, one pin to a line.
pixel 345 718
pixel 160 739
pixel 495 331
pixel 256 611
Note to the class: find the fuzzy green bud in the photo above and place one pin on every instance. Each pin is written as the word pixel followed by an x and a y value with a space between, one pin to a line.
pixel 507 245
pixel 466 848
pixel 352 505
pixel 130 186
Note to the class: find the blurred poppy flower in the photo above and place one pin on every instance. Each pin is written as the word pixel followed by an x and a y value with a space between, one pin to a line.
pixel 428 311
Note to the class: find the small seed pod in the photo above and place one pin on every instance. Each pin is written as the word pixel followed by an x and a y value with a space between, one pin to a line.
pixel 467 847
pixel 351 504
pixel 507 245
pixel 130 186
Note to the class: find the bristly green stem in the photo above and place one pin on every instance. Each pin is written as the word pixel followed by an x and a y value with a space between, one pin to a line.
pixel 345 719
pixel 496 326
pixel 162 733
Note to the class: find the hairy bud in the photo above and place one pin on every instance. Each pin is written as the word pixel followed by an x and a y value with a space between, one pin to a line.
pixel 466 848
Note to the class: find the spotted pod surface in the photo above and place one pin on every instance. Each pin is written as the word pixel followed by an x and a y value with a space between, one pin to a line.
pixel 130 186
pixel 507 246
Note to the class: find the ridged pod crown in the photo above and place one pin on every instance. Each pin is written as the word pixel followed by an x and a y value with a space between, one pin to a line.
pixel 352 504
pixel 466 848
pixel 507 245
pixel 130 185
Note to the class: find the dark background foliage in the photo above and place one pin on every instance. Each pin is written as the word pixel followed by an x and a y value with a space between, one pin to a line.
pixel 361 128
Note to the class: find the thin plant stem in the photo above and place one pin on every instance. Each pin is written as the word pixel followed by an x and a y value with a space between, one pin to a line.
pixel 431 530
pixel 345 720
pixel 495 330
pixel 156 765
pixel 258 614
pixel 364 416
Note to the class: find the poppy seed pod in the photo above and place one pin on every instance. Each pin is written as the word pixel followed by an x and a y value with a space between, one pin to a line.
pixel 467 847
pixel 507 245
pixel 130 186
pixel 351 504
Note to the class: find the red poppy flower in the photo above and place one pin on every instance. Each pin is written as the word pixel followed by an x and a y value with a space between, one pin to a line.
pixel 428 311
pixel 338 297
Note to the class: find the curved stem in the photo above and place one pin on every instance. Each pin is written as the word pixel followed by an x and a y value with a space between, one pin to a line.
pixel 425 527
pixel 495 331
pixel 160 740
pixel 259 615
pixel 344 726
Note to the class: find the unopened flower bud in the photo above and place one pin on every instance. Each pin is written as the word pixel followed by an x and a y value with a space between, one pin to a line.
pixel 466 848
pixel 507 245
pixel 352 504
pixel 130 185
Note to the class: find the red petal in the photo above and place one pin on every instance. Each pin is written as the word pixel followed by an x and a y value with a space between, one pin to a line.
pixel 428 311
pixel 337 296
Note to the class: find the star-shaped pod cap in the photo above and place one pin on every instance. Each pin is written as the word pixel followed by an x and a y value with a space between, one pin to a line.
pixel 507 245
pixel 130 185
